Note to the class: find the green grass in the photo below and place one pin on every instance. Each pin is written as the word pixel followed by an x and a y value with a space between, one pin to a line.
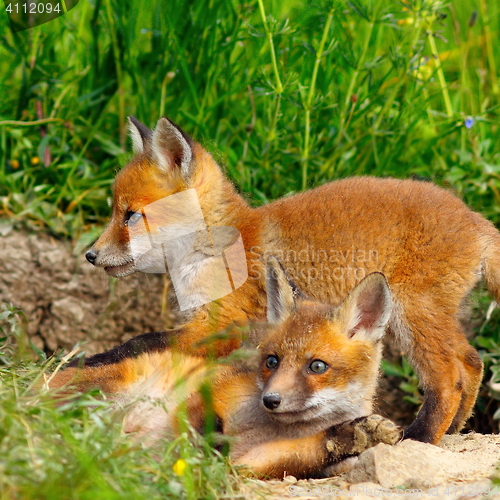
pixel 286 95
pixel 76 450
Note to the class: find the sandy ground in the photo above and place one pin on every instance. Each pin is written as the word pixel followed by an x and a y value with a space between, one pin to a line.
pixel 463 466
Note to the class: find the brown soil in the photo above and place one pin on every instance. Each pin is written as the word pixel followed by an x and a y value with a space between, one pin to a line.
pixel 66 300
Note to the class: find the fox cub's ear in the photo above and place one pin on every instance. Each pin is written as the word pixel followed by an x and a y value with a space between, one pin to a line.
pixel 281 292
pixel 367 309
pixel 139 134
pixel 171 148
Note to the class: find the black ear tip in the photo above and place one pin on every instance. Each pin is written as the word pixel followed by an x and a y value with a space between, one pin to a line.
pixel 275 269
pixel 167 120
pixel 143 130
pixel 376 284
pixel 273 263
pixel 165 123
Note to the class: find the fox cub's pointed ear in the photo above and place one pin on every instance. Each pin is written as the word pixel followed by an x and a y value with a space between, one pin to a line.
pixel 367 309
pixel 139 134
pixel 171 148
pixel 281 292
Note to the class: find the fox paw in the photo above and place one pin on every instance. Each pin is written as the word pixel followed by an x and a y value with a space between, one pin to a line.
pixel 374 429
pixel 355 436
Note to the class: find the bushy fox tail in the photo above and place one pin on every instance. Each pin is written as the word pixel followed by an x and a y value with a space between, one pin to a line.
pixel 491 259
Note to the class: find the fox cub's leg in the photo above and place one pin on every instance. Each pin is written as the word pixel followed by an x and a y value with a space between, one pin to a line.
pixel 450 373
pixel 320 455
pixel 472 375
pixel 350 439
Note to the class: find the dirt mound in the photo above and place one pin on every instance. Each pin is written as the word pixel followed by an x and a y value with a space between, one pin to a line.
pixel 66 300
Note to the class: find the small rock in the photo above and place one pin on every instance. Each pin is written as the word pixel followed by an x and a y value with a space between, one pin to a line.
pixel 394 465
pixel 418 464
pixel 290 479
pixel 70 308
pixel 5 229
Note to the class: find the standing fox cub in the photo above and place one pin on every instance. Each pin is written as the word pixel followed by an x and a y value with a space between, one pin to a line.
pixel 298 399
pixel 430 246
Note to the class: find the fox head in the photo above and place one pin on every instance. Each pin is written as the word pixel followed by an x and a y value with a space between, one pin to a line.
pixel 317 362
pixel 167 162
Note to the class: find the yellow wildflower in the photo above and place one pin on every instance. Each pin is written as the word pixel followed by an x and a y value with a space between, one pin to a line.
pixel 406 20
pixel 179 467
pixel 424 69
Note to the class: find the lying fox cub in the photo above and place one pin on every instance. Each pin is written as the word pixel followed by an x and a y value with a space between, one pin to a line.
pixel 300 403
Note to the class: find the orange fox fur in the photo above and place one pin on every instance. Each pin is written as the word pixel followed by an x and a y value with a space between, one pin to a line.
pixel 298 403
pixel 431 247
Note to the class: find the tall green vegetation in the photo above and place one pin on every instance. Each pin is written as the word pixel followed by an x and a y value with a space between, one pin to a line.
pixel 286 94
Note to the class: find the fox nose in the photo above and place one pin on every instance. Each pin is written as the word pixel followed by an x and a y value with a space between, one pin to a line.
pixel 91 255
pixel 272 400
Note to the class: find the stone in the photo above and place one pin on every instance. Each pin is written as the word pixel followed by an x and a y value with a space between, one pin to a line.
pixel 422 465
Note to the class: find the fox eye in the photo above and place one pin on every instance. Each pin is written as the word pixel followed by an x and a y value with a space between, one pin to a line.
pixel 318 366
pixel 272 362
pixel 132 218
